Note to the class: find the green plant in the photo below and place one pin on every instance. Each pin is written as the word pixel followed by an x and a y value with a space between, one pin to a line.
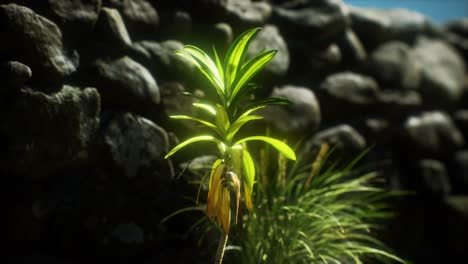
pixel 317 214
pixel 231 111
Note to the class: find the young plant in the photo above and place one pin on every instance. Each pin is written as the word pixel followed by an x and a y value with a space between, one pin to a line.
pixel 231 111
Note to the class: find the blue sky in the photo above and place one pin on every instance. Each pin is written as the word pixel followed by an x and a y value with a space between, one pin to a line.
pixel 438 10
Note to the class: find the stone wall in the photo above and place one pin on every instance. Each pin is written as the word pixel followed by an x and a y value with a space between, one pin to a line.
pixel 86 88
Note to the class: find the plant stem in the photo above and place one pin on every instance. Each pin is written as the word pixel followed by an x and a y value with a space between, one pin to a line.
pixel 221 247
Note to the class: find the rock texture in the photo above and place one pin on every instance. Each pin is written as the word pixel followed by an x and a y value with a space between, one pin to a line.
pixel 87 87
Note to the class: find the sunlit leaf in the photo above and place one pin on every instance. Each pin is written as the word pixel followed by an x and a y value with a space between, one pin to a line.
pixel 208 108
pixel 249 177
pixel 280 146
pixel 190 141
pixel 236 54
pixel 264 103
pixel 234 128
pixel 198 120
pixel 222 119
pixel 249 70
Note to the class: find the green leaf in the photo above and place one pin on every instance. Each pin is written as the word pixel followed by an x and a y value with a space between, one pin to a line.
pixel 264 103
pixel 280 146
pixel 222 119
pixel 236 54
pixel 201 121
pixel 205 65
pixel 250 69
pixel 219 65
pixel 238 125
pixel 190 141
pixel 249 177
pixel 208 108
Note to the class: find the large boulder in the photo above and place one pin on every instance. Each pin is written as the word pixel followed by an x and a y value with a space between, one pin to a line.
pixel 45 133
pixel 443 73
pixel 430 135
pixel 124 84
pixel 376 26
pixel 14 74
pixel 347 94
pixel 110 35
pixel 302 115
pixel 37 42
pixel 321 21
pixel 394 65
pixel 136 146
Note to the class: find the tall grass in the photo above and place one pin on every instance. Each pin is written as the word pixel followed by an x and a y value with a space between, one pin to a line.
pixel 321 213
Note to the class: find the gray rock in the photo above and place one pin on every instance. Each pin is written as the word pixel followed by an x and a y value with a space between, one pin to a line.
pixel 160 59
pixel 246 14
pixel 44 133
pixel 443 79
pixel 36 42
pixel 376 26
pixel 140 17
pixel 394 65
pixel 433 178
pixel 302 115
pixel 110 32
pixel 430 135
pixel 321 21
pixel 124 84
pixel 14 74
pixel 76 18
pixel 351 47
pixel 345 141
pixel 347 94
pixel 269 38
pixel 136 146
pixel 458 26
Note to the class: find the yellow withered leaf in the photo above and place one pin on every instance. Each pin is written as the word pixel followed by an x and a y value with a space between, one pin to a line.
pixel 235 185
pixel 224 215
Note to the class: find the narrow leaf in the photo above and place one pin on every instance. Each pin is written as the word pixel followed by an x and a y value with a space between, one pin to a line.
pixel 239 123
pixel 236 54
pixel 264 103
pixel 222 119
pixel 250 69
pixel 280 146
pixel 208 108
pixel 198 120
pixel 249 177
pixel 190 141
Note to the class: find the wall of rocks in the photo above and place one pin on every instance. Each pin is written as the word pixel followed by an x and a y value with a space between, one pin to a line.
pixel 86 88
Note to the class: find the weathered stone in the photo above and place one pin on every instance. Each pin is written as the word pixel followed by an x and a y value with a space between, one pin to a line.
pixel 36 42
pixel 110 33
pixel 160 59
pixel 129 233
pixel 430 135
pixel 14 74
pixel 376 26
pixel 76 18
pixel 269 38
pixel 136 146
pixel 124 84
pixel 347 94
pixel 246 14
pixel 397 105
pixel 432 178
pixel 345 141
pixel 302 115
pixel 458 26
pixel 443 79
pixel 140 17
pixel 43 133
pixel 394 66
pixel 324 20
